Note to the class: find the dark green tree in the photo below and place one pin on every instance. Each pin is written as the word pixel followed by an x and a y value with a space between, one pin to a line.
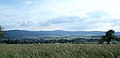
pixel 2 34
pixel 110 34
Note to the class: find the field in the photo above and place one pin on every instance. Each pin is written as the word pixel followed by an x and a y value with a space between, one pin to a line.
pixel 59 51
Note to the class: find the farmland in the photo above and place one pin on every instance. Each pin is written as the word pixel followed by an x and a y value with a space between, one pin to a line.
pixel 59 51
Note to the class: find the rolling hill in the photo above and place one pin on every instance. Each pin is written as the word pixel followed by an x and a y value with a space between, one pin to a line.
pixel 25 33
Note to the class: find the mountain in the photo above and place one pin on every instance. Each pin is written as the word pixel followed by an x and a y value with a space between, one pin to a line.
pixel 25 33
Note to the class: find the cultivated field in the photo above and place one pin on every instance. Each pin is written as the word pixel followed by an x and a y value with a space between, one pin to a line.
pixel 59 51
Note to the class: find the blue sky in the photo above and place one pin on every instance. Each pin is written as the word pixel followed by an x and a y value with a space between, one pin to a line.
pixel 71 15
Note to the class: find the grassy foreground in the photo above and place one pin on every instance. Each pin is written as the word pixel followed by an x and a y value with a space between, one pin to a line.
pixel 59 51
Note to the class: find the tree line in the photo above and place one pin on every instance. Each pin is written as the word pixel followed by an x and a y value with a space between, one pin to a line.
pixel 41 41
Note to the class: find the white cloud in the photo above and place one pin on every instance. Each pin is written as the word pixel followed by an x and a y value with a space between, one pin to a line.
pixel 96 15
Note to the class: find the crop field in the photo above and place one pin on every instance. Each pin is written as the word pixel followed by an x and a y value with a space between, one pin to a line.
pixel 59 51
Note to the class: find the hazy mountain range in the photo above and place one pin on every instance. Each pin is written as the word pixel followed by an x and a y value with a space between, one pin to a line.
pixel 25 33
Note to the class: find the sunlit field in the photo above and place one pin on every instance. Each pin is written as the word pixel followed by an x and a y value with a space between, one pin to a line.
pixel 59 51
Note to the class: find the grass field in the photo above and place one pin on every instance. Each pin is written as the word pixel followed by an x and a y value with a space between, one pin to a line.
pixel 59 51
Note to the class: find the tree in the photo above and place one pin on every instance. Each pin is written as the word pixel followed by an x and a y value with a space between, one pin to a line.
pixel 108 37
pixel 1 32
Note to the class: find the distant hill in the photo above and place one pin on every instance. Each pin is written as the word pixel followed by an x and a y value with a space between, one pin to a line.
pixel 24 33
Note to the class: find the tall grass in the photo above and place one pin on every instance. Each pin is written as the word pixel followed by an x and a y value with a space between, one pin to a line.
pixel 59 51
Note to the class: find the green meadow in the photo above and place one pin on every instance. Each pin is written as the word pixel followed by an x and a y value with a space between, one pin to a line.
pixel 59 51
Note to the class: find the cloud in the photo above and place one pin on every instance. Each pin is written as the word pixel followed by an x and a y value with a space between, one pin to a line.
pixel 62 20
pixel 63 14
pixel 94 25
pixel 97 14
pixel 26 23
pixel 65 19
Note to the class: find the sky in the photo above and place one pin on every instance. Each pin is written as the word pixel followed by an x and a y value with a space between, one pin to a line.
pixel 69 15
